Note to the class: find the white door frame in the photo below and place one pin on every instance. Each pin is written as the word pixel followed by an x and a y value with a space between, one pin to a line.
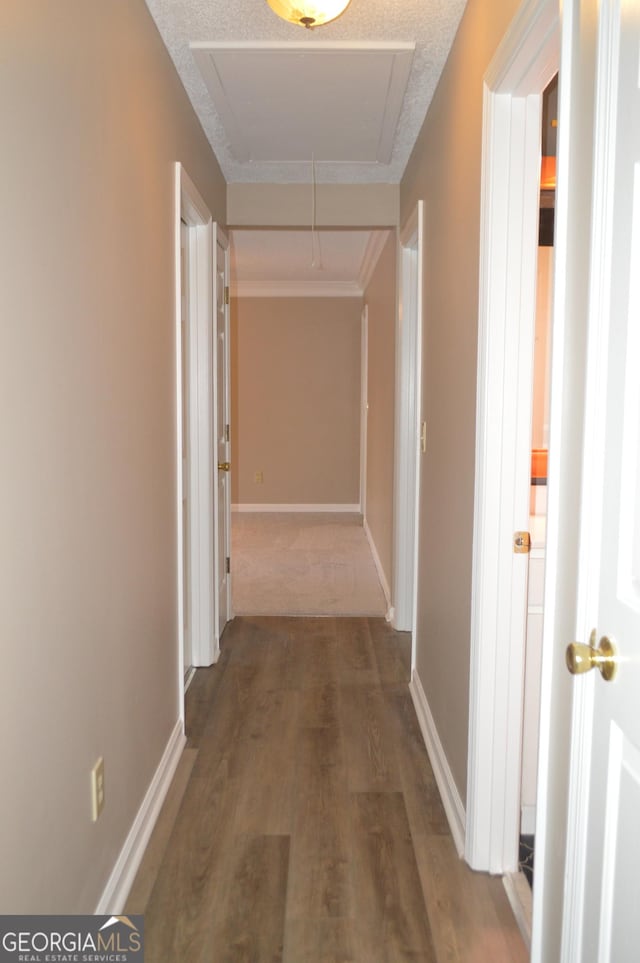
pixel 364 405
pixel 407 425
pixel 524 64
pixel 191 208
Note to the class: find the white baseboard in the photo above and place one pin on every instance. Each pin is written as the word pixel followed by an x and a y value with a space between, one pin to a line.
pixel 215 652
pixel 119 884
pixel 444 777
pixel 379 568
pixel 521 901
pixel 270 507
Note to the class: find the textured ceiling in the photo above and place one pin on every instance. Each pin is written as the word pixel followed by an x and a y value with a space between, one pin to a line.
pixel 430 24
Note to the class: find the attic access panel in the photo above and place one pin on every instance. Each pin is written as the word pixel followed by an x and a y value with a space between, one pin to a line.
pixel 287 102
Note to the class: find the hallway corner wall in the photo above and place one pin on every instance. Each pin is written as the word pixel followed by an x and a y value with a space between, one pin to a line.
pixel 94 118
pixel 444 170
pixel 380 298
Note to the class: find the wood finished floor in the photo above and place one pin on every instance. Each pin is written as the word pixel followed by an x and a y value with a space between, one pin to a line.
pixel 304 824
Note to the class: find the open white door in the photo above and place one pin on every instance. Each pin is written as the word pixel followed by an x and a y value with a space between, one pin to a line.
pixel 184 509
pixel 194 428
pixel 223 436
pixel 523 65
pixel 409 439
pixel 602 921
pixel 364 406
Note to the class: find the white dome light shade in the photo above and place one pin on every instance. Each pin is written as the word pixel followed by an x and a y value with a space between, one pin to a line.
pixel 309 13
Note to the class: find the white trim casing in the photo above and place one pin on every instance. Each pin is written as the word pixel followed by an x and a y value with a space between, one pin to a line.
pixel 314 509
pixel 451 800
pixel 123 874
pixel 407 425
pixel 524 64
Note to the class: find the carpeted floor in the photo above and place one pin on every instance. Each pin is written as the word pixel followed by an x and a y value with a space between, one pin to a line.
pixel 303 564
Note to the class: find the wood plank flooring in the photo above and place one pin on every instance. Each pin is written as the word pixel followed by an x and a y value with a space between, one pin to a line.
pixel 304 824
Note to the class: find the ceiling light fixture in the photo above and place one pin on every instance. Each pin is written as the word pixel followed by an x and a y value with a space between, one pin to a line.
pixel 309 13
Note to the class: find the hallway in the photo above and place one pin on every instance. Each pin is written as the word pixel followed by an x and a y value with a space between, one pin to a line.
pixel 304 823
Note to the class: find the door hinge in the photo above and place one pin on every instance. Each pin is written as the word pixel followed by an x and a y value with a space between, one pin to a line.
pixel 227 433
pixel 226 294
pixel 521 543
pixel 228 565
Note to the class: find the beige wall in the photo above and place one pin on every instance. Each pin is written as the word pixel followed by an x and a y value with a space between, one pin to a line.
pixel 444 170
pixel 380 298
pixel 93 117
pixel 337 205
pixel 296 400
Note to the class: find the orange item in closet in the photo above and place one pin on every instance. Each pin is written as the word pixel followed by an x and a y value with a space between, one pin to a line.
pixel 539 462
pixel 548 174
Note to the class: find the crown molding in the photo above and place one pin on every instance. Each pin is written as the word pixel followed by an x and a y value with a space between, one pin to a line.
pixel 371 256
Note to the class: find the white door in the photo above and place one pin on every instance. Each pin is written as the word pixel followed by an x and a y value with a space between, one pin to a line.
pixel 187 656
pixel 606 743
pixel 223 437
pixel 409 439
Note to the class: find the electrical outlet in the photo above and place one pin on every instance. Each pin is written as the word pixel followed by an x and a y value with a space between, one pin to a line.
pixel 97 789
pixel 258 478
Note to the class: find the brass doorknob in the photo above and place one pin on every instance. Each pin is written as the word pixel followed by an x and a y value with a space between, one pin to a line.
pixel 224 466
pixel 582 658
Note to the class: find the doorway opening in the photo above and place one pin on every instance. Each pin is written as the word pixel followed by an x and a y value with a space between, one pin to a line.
pixel 539 463
pixel 313 327
pixel 221 365
pixel 195 353
pixel 524 65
